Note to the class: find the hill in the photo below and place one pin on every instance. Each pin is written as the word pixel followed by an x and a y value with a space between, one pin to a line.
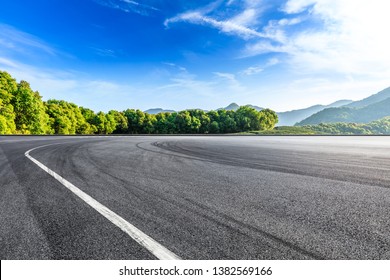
pixel 155 111
pixel 292 117
pixel 232 106
pixel 380 96
pixel 351 115
pixel 257 108
pixel 235 106
pixel 379 127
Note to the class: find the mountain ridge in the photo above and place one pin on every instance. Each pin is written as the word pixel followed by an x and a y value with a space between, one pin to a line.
pixel 294 116
pixel 365 114
pixel 375 98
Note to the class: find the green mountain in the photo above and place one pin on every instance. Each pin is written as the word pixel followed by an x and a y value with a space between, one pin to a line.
pixel 340 103
pixel 378 127
pixel 257 108
pixel 232 106
pixel 155 111
pixel 292 117
pixel 380 96
pixel 235 106
pixel 365 114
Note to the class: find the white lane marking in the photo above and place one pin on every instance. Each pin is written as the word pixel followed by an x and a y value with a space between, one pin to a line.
pixel 141 238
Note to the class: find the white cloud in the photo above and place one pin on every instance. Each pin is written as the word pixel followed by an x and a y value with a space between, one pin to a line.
pixel 241 24
pixel 272 61
pixel 232 83
pixel 103 52
pixel 21 42
pixel 227 26
pixel 72 86
pixel 128 6
pixel 318 37
pixel 297 6
pixel 352 39
pixel 181 68
pixel 252 70
pixel 247 18
pixel 230 2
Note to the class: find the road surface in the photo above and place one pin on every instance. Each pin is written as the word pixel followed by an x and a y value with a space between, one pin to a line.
pixel 204 197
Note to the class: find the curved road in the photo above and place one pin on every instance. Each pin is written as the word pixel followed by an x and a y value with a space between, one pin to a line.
pixel 204 197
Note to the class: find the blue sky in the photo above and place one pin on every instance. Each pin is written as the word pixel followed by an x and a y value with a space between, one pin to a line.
pixel 177 54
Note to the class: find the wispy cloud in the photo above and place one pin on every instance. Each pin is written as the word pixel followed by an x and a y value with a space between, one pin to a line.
pixel 224 26
pixel 241 24
pixel 72 86
pixel 128 6
pixel 21 42
pixel 104 52
pixel 232 83
pixel 252 70
pixel 350 40
pixel 297 6
pixel 174 65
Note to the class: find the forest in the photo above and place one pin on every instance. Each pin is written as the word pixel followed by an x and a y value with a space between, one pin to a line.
pixel 22 111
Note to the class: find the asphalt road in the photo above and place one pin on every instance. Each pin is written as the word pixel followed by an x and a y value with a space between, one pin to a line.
pixel 199 197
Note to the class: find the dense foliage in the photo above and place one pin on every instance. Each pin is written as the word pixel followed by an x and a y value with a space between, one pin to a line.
pixel 381 126
pixel 22 111
pixel 287 130
pixel 365 114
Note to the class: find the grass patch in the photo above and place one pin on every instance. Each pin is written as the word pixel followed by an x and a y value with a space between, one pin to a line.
pixel 284 130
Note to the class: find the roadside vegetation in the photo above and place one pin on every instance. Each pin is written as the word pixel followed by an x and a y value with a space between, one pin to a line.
pixel 379 127
pixel 22 111
pixel 286 130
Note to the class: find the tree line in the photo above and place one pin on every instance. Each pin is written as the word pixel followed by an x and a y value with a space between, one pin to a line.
pixel 22 111
pixel 381 126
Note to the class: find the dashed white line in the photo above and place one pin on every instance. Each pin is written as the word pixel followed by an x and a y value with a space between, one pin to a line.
pixel 158 250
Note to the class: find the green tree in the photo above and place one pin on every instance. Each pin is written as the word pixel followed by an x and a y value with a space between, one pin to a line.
pixel 30 113
pixel 105 123
pixel 214 127
pixel 89 117
pixel 68 118
pixel 135 120
pixel 60 121
pixel 120 120
pixel 161 125
pixel 247 119
pixel 227 123
pixel 268 119
pixel 214 119
pixel 8 87
pixel 183 122
pixel 149 122
pixel 200 121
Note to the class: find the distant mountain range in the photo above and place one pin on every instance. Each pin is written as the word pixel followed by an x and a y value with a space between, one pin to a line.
pixel 380 96
pixel 158 110
pixel 366 110
pixel 285 118
pixel 295 116
pixel 232 106
pixel 235 106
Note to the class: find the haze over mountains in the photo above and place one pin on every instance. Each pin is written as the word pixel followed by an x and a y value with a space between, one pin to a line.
pixel 288 118
pixel 366 110
pixel 380 96
pixel 292 117
pixel 155 111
